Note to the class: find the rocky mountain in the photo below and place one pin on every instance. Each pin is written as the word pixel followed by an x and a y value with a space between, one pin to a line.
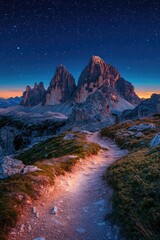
pixel 97 75
pixel 9 102
pixel 34 96
pixel 146 108
pixel 92 114
pixel 101 75
pixel 126 91
pixel 62 87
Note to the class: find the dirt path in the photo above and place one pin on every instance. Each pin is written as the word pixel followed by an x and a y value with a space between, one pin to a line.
pixel 82 200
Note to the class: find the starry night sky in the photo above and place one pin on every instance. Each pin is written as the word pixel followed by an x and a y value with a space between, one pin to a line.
pixel 38 35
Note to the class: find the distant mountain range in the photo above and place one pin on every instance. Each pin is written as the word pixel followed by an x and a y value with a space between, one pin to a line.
pixel 9 102
pixel 100 96
pixel 97 75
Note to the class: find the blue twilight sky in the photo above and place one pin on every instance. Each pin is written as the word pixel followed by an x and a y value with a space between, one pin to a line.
pixel 37 36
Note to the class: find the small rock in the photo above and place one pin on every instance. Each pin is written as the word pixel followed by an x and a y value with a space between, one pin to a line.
pixel 80 230
pixel 101 224
pixel 21 230
pixel 30 168
pixel 54 210
pixel 29 227
pixel 13 233
pixel 20 197
pixel 69 137
pixel 39 238
pixel 100 203
pixel 34 210
pixel 142 127
pixel 73 156
pixel 155 141
pixel 37 215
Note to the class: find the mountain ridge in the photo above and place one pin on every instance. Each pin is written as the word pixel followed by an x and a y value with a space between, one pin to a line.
pixel 97 75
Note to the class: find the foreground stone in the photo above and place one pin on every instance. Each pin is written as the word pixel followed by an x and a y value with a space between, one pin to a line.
pixel 30 168
pixel 9 167
pixel 155 141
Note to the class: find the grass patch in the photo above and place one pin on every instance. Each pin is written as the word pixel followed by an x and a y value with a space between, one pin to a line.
pixel 136 182
pixel 16 190
pixel 126 139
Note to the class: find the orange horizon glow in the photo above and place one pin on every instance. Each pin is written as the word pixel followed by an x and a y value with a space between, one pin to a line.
pixel 12 93
pixel 146 94
pixel 19 93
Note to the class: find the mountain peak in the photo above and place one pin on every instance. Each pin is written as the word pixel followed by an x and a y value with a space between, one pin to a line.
pixel 62 87
pixel 96 59
pixel 62 68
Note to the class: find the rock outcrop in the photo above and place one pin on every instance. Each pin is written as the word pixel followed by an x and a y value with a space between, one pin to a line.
pixel 155 141
pixel 126 91
pixel 62 87
pixel 146 108
pixel 35 96
pixel 9 167
pixel 92 114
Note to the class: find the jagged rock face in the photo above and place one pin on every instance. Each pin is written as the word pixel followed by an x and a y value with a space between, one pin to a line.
pixel 35 96
pixel 62 87
pixel 146 108
pixel 95 111
pixel 96 75
pixel 126 90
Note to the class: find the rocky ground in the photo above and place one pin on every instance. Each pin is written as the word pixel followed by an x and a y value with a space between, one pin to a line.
pixel 78 204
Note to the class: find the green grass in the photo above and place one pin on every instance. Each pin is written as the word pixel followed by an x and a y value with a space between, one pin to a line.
pixel 116 132
pixel 136 183
pixel 52 157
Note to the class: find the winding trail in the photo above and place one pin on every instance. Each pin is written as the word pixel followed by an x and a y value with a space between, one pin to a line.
pixel 82 199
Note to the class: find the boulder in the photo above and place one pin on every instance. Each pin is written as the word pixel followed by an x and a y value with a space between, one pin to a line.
pixel 9 167
pixel 155 141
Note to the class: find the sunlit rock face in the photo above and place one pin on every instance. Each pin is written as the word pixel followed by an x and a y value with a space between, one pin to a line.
pixel 106 78
pixel 34 96
pixel 97 75
pixel 62 87
pixel 126 90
